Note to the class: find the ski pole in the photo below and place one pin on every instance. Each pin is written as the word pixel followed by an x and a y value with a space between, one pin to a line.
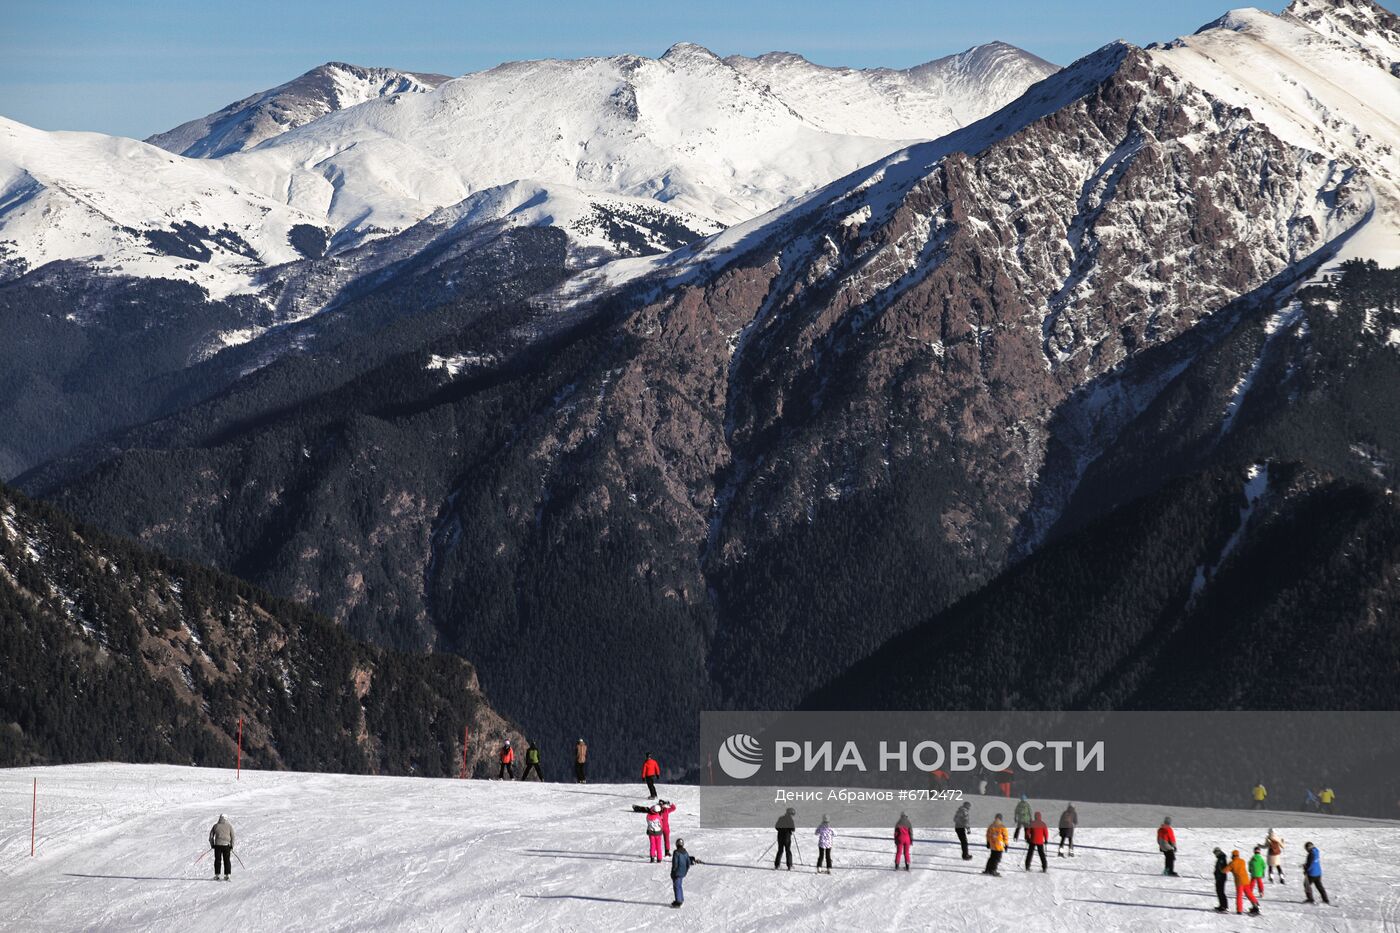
pixel 201 858
pixel 799 851
pixel 767 850
pixel 240 861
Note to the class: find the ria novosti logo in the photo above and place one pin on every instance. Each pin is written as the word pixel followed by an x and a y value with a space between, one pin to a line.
pixel 740 756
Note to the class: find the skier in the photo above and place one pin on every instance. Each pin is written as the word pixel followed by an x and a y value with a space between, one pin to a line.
pixel 581 762
pixel 1022 816
pixel 1260 793
pixel 785 826
pixel 1222 874
pixel 507 761
pixel 1166 842
pixel 1273 845
pixel 825 835
pixel 221 841
pixel 1240 871
pixel 1068 821
pixel 650 772
pixel 997 841
pixel 681 860
pixel 667 808
pixel 532 763
pixel 982 780
pixel 1312 873
pixel 1037 834
pixel 1257 867
pixel 1310 802
pixel 1325 800
pixel 903 840
pixel 654 833
pixel 961 819
pixel 1004 777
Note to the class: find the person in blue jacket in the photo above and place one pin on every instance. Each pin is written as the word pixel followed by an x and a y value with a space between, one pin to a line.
pixel 1312 873
pixel 681 860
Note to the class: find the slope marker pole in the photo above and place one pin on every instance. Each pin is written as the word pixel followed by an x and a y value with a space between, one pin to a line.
pixel 34 818
pixel 238 775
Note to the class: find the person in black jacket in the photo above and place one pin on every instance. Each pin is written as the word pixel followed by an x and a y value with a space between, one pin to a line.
pixel 785 826
pixel 1222 872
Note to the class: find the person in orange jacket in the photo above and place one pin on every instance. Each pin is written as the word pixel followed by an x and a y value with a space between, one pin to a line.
pixel 507 761
pixel 997 840
pixel 1166 842
pixel 650 772
pixel 1037 834
pixel 1240 871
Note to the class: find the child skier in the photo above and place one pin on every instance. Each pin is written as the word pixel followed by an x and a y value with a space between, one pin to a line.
pixel 1240 871
pixel 903 840
pixel 681 860
pixel 825 836
pixel 1256 870
pixel 654 833
pixel 507 761
pixel 1068 821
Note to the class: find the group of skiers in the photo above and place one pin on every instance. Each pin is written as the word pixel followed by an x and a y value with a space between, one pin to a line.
pixel 1314 801
pixel 1266 861
pixel 532 762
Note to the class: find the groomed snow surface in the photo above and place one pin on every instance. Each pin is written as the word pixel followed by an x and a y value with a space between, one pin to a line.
pixel 118 843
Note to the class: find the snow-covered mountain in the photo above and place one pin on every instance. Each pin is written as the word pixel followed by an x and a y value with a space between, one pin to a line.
pixel 245 123
pixel 923 102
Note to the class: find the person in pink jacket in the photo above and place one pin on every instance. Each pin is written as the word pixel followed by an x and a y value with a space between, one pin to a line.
pixel 667 808
pixel 654 833
pixel 903 840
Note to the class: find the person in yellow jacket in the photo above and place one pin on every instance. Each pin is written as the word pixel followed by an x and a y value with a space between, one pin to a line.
pixel 1326 798
pixel 1260 794
pixel 998 838
pixel 1239 869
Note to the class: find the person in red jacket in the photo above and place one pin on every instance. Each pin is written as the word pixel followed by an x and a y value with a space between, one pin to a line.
pixel 1166 842
pixel 507 761
pixel 1004 778
pixel 650 772
pixel 1037 834
pixel 667 808
pixel 903 840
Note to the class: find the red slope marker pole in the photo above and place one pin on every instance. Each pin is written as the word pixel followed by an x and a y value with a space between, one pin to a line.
pixel 34 818
pixel 239 773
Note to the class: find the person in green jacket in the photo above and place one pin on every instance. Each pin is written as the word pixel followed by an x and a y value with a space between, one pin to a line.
pixel 1022 815
pixel 1258 866
pixel 532 763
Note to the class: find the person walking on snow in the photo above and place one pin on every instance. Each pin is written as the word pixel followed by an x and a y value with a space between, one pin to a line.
pixel 667 808
pixel 221 841
pixel 1273 845
pixel 1222 874
pixel 785 826
pixel 1260 793
pixel 961 819
pixel 581 762
pixel 1022 816
pixel 650 772
pixel 1166 842
pixel 681 860
pixel 825 836
pixel 507 761
pixel 997 841
pixel 654 833
pixel 1325 800
pixel 1257 867
pixel 1240 871
pixel 903 840
pixel 1068 821
pixel 1312 873
pixel 1037 834
pixel 532 763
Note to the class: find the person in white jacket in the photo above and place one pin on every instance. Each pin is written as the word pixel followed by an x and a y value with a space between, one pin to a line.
pixel 221 841
pixel 825 836
pixel 1273 845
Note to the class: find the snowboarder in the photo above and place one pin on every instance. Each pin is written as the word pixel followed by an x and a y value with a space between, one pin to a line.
pixel 532 763
pixel 903 840
pixel 825 836
pixel 1260 793
pixel 681 860
pixel 785 826
pixel 1273 845
pixel 1068 821
pixel 1022 816
pixel 1257 867
pixel 961 819
pixel 650 772
pixel 1037 834
pixel 1166 842
pixel 654 833
pixel 221 841
pixel 997 841
pixel 667 808
pixel 581 762
pixel 507 762
pixel 1240 871
pixel 1312 873
pixel 1222 874
pixel 1325 800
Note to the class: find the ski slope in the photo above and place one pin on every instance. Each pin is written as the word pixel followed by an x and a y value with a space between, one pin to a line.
pixel 117 848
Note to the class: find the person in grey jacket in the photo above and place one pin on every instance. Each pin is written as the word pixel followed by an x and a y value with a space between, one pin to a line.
pixel 221 840
pixel 960 821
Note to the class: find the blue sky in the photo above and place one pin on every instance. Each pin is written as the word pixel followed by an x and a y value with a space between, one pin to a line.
pixel 135 67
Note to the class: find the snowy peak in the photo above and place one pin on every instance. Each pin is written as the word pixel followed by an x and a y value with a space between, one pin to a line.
pixel 922 102
pixel 1361 23
pixel 322 90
